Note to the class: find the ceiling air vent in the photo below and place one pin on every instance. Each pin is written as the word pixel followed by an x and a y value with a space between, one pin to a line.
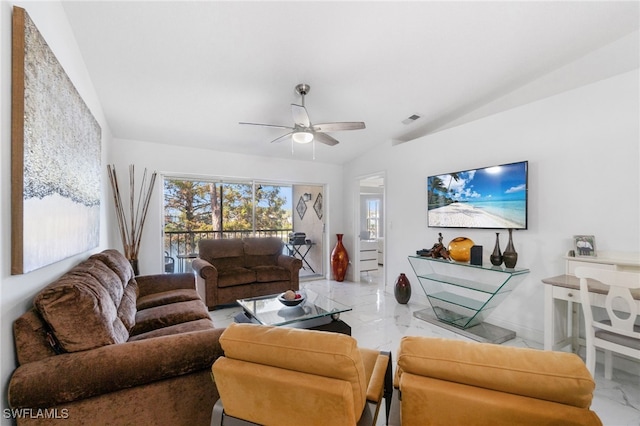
pixel 410 119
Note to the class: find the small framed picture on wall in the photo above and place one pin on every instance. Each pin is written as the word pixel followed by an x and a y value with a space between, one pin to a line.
pixel 584 245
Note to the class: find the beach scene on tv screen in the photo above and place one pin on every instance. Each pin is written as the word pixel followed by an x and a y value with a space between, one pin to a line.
pixel 492 197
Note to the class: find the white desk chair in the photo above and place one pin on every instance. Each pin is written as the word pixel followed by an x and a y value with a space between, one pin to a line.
pixel 619 333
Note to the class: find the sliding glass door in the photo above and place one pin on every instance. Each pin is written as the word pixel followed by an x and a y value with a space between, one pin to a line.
pixel 200 208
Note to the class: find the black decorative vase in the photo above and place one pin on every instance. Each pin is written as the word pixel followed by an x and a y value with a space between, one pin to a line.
pixel 496 256
pixel 510 256
pixel 402 289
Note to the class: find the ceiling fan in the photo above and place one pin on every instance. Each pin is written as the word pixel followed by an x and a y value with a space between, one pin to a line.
pixel 303 131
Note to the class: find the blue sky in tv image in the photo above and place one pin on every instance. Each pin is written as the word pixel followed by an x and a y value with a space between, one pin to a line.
pixel 486 197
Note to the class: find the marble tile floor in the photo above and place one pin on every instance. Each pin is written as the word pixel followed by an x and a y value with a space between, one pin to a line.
pixel 378 321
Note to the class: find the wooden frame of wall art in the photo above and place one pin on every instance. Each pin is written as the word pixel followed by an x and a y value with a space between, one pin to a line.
pixel 55 159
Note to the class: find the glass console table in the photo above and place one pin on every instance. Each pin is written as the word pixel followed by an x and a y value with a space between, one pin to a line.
pixel 463 295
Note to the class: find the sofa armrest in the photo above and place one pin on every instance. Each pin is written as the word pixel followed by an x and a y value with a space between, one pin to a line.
pixel 206 280
pixel 73 376
pixel 290 263
pixel 149 284
pixel 204 269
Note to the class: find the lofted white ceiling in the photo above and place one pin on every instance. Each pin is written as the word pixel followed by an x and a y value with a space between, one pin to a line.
pixel 186 72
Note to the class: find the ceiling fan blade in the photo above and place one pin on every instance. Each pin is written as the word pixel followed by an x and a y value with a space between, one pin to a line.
pixel 281 138
pixel 300 116
pixel 267 125
pixel 325 139
pixel 335 127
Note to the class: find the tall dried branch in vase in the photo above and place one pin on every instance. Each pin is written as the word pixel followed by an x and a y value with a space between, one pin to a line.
pixel 131 227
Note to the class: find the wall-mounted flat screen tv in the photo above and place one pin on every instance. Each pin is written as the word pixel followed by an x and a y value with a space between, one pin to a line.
pixel 488 198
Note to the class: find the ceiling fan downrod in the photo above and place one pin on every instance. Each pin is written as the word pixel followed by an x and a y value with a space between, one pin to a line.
pixel 302 89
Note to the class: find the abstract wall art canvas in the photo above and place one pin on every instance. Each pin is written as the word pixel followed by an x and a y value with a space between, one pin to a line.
pixel 56 168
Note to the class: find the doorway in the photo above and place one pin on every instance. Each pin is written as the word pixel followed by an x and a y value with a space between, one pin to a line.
pixel 308 230
pixel 371 227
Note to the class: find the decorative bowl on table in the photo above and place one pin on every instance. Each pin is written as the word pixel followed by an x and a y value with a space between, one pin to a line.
pixel 292 312
pixel 291 302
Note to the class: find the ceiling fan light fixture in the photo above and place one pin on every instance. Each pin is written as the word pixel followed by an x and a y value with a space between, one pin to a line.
pixel 302 137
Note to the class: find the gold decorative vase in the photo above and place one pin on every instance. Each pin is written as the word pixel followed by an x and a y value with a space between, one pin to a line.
pixel 460 249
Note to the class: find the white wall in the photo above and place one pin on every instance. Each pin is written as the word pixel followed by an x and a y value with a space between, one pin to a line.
pixel 180 161
pixel 16 292
pixel 584 162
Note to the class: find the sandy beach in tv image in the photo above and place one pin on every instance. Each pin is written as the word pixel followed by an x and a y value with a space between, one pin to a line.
pixel 492 197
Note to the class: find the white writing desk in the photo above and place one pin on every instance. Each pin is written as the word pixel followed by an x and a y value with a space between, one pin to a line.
pixel 562 300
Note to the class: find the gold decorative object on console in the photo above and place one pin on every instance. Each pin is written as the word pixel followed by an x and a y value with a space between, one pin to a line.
pixel 460 249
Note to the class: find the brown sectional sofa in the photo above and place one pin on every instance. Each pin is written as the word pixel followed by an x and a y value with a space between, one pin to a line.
pixel 103 346
pixel 231 269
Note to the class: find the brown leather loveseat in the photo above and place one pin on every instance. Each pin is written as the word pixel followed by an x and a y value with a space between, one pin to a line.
pixel 101 346
pixel 238 268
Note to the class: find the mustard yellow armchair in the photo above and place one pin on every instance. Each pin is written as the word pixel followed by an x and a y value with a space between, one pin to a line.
pixel 287 376
pixel 451 382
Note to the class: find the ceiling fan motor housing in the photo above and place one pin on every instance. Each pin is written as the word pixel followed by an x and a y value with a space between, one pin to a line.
pixel 302 89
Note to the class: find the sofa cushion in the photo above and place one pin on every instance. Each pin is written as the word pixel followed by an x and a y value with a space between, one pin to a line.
pixel 269 273
pixel 217 249
pixel 109 273
pixel 225 263
pixel 262 251
pixel 80 312
pixel 117 263
pixel 168 315
pixel 185 327
pixel 262 246
pixel 166 297
pixel 127 309
pixel 103 275
pixel 235 276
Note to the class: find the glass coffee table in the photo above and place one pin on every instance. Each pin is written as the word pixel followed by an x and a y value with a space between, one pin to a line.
pixel 315 312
